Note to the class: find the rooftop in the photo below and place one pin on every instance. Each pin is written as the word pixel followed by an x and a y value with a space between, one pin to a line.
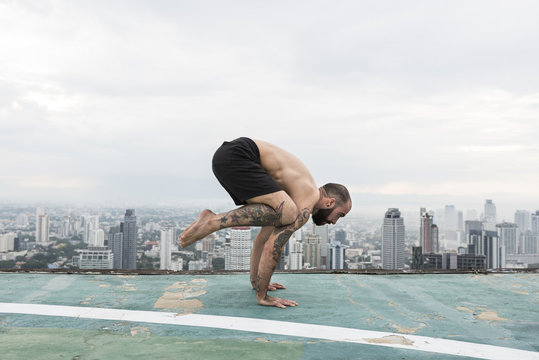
pixel 340 316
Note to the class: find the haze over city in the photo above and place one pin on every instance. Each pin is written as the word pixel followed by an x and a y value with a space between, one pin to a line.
pixel 408 103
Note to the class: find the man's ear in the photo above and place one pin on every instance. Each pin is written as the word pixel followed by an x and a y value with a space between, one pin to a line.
pixel 330 203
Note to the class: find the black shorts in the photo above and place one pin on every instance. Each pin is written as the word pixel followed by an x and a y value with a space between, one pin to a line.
pixel 236 164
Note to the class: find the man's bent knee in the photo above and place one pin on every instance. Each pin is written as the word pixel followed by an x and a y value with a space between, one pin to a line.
pixel 289 213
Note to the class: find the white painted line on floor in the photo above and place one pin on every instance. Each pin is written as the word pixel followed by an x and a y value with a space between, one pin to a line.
pixel 379 338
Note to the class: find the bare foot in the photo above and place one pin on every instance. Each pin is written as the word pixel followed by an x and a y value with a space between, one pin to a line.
pixel 198 229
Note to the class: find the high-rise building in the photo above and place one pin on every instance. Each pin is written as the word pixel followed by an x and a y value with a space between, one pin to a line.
pixel 490 215
pixel 523 220
pixel 168 236
pixel 115 244
pixel 450 218
pixel 295 253
pixel 428 235
pixel 323 232
pixel 531 243
pixel 393 240
pixel 311 249
pixel 336 255
pixel 535 223
pixel 485 242
pixel 507 233
pixel 22 221
pixel 42 226
pixel 7 242
pixel 240 249
pixel 340 236
pixel 129 246
pixel 91 225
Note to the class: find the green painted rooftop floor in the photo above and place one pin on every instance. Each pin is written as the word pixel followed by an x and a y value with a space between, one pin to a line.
pixel 494 309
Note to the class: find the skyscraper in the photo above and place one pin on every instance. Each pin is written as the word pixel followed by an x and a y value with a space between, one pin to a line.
pixel 336 255
pixel 240 248
pixel 428 235
pixel 507 233
pixel 311 249
pixel 129 246
pixel 490 215
pixel 115 243
pixel 535 223
pixel 393 240
pixel 523 220
pixel 295 254
pixel 168 235
pixel 42 226
pixel 91 225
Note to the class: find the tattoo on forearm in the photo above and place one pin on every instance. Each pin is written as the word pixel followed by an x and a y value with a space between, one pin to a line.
pixel 253 215
pixel 286 231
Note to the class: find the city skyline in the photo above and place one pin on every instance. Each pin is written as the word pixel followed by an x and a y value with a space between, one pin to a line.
pixel 127 102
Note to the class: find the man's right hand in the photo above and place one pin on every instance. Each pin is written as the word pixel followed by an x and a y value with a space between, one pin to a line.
pixel 278 302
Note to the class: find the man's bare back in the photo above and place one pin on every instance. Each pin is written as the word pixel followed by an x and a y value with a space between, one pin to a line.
pixel 278 193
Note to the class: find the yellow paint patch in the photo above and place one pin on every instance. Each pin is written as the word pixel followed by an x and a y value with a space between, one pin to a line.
pixel 390 339
pixel 489 316
pixel 180 295
pixel 104 285
pixel 522 292
pixel 406 330
pixel 462 308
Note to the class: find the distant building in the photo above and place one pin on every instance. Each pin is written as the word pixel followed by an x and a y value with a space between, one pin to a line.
pixel 7 242
pixel 336 255
pixel 490 216
pixel 91 225
pixel 531 243
pixel 115 244
pixel 42 226
pixel 96 258
pixel 446 261
pixel 199 265
pixel 22 221
pixel 340 236
pixel 428 235
pixel 295 253
pixel 487 243
pixel 507 232
pixel 168 236
pixel 523 220
pixel 450 218
pixel 393 240
pixel 323 232
pixel 311 248
pixel 535 223
pixel 129 246
pixel 240 248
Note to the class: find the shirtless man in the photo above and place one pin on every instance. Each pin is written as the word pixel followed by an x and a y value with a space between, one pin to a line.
pixel 279 194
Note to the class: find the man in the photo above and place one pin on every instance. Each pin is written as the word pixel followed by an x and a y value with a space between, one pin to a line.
pixel 279 194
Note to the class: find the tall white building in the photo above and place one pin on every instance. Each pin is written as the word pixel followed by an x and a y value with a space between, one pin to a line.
pixel 295 253
pixel 42 226
pixel 507 232
pixel 168 236
pixel 393 240
pixel 523 220
pixel 22 221
pixel 240 248
pixel 312 248
pixel 91 225
pixel 7 242
pixel 490 215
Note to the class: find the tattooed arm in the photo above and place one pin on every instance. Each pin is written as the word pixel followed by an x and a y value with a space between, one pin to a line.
pixel 270 258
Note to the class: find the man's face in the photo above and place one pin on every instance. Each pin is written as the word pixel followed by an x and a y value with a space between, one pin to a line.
pixel 330 216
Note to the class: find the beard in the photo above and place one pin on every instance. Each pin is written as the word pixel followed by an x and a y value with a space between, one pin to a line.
pixel 321 216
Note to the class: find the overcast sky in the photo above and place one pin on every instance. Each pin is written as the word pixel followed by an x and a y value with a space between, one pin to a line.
pixel 408 103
